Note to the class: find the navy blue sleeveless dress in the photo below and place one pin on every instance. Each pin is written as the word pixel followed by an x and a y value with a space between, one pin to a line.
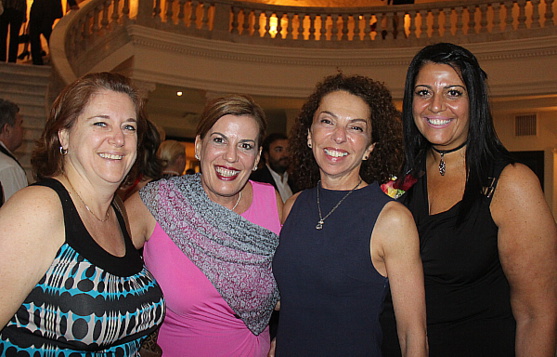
pixel 331 295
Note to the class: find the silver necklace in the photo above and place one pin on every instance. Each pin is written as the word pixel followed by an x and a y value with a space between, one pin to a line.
pixel 322 219
pixel 239 198
pixel 87 207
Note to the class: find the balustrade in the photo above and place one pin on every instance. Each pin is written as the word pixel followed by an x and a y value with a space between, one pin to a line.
pixel 385 26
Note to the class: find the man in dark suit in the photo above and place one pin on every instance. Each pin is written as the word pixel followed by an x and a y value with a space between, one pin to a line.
pixel 275 165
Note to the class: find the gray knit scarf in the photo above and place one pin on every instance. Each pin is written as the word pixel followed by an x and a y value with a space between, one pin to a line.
pixel 232 252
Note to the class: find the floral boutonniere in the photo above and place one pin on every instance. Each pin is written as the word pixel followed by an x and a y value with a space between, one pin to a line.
pixel 394 190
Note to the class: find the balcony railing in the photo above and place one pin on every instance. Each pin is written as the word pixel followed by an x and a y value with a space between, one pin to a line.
pixel 100 21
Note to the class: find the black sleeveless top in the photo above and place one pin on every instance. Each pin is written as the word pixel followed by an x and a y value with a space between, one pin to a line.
pixel 331 295
pixel 467 294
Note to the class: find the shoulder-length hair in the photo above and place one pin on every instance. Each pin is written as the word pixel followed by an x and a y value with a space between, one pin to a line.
pixel 386 158
pixel 47 160
pixel 483 147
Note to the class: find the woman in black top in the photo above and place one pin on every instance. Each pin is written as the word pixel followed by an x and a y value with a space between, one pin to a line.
pixel 487 238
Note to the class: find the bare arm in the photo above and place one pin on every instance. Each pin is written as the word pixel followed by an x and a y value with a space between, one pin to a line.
pixel 32 232
pixel 395 252
pixel 527 242
pixel 142 222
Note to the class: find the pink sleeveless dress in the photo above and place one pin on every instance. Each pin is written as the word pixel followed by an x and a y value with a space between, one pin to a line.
pixel 198 321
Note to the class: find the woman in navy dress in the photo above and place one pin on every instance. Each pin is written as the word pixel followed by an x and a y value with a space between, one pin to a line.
pixel 344 241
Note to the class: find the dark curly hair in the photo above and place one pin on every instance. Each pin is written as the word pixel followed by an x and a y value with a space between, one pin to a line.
pixel 386 130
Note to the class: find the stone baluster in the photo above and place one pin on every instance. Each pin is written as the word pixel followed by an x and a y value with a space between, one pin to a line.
pixel 496 17
pixel 548 13
pixel 535 14
pixel 521 14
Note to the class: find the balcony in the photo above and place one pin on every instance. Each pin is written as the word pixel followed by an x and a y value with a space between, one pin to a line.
pixel 277 54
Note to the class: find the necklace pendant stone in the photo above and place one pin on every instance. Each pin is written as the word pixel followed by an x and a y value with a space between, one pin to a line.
pixel 319 225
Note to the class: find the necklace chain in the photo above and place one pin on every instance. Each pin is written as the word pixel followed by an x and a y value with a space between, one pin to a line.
pixel 322 219
pixel 237 202
pixel 442 165
pixel 85 204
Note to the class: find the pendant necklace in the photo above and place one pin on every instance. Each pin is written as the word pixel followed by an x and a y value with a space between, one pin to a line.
pixel 322 219
pixel 442 166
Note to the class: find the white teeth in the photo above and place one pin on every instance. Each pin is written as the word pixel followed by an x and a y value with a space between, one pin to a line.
pixel 111 156
pixel 438 121
pixel 335 153
pixel 226 172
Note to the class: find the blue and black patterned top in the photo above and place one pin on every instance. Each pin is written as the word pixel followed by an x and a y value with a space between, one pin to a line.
pixel 89 302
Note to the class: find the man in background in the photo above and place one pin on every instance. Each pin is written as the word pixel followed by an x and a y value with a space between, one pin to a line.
pixel 276 161
pixel 12 176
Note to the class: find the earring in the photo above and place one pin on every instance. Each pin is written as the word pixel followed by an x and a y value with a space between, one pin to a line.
pixel 254 168
pixel 366 157
pixel 63 151
pixel 197 156
pixel 309 145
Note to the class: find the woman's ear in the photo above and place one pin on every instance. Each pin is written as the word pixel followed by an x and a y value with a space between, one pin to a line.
pixel 368 151
pixel 64 138
pixel 198 145
pixel 256 163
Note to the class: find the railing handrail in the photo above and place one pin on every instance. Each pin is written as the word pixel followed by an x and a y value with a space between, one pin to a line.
pixel 309 27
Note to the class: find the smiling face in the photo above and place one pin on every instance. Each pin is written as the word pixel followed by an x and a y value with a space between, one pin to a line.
pixel 340 136
pixel 441 106
pixel 102 143
pixel 228 153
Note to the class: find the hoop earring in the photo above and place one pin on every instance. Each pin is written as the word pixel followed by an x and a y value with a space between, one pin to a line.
pixel 309 145
pixel 197 157
pixel 366 157
pixel 63 151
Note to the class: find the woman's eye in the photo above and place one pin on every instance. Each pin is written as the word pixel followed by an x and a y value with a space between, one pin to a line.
pixel 421 92
pixel 325 121
pixel 246 146
pixel 102 124
pixel 218 140
pixel 358 128
pixel 454 93
pixel 130 127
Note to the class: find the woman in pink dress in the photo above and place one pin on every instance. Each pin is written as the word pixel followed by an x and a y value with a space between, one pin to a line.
pixel 209 239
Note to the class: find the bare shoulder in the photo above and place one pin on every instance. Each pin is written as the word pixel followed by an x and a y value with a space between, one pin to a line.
pixel 394 228
pixel 37 204
pixel 394 216
pixel 518 190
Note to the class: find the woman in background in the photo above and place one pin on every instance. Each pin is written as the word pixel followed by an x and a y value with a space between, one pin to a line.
pixel 173 157
pixel 209 239
pixel 488 240
pixel 72 282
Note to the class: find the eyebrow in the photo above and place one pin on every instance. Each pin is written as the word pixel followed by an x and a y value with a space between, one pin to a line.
pixel 226 137
pixel 336 116
pixel 445 87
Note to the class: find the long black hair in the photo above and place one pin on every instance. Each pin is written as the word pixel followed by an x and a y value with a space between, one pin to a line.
pixel 483 149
